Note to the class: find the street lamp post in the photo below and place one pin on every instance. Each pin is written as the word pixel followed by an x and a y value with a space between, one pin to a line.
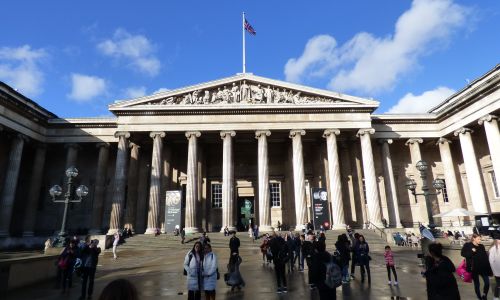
pixel 437 183
pixel 55 191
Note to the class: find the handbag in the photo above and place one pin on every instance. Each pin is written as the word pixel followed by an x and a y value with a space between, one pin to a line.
pixel 462 272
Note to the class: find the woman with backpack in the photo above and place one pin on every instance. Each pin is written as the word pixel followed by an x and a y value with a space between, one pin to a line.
pixel 478 264
pixel 193 270
pixel 65 265
pixel 363 258
pixel 320 260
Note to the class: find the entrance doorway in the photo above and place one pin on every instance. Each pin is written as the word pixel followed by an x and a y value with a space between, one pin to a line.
pixel 245 213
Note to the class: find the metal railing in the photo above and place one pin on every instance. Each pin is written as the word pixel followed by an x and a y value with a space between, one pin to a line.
pixel 382 233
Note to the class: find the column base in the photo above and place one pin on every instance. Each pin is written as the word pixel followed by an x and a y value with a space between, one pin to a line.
pixel 338 227
pixel 150 231
pixel 191 230
pixel 112 231
pixel 266 228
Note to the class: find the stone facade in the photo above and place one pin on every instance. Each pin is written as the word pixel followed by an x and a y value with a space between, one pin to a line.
pixel 247 140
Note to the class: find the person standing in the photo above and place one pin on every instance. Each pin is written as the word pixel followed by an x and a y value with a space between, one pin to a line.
pixel 363 258
pixel 234 279
pixel 65 265
pixel 279 250
pixel 389 263
pixel 193 270
pixel 183 235
pixel 90 257
pixel 354 246
pixel 290 242
pixel 494 258
pixel 478 264
pixel 234 244
pixel 342 246
pixel 440 281
pixel 209 272
pixel 263 249
pixel 115 244
pixel 319 260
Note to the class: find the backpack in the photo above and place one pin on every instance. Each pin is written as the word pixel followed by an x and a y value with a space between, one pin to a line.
pixel 189 262
pixel 333 278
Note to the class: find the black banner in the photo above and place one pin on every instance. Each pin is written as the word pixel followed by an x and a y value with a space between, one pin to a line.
pixel 321 214
pixel 173 211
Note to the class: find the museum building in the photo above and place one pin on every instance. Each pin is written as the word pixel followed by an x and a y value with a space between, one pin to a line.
pixel 248 150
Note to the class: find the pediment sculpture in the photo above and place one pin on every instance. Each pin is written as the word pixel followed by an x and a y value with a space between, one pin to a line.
pixel 243 92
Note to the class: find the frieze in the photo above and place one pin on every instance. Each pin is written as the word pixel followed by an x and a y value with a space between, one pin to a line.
pixel 241 93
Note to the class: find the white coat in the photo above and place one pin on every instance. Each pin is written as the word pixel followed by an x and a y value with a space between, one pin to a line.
pixel 210 272
pixel 494 258
pixel 193 270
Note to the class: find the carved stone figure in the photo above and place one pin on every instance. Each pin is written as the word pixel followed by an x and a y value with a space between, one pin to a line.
pixel 296 98
pixel 257 94
pixel 214 97
pixel 219 94
pixel 235 91
pixel 206 97
pixel 268 93
pixel 245 92
pixel 225 95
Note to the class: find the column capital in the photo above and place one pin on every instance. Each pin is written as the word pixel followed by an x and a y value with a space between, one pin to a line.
pixel 189 134
pixel 413 141
pixel 153 134
pixel 133 145
pixel 125 134
pixel 462 130
pixel 330 131
pixel 443 140
pixel 384 141
pixel 487 118
pixel 260 133
pixel 99 145
pixel 296 132
pixel 22 137
pixel 364 131
pixel 229 133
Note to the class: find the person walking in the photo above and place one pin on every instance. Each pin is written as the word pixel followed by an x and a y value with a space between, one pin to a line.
pixel 234 278
pixel 210 272
pixel 343 256
pixel 234 244
pixel 301 250
pixel 440 281
pixel 65 264
pixel 290 242
pixel 389 263
pixel 320 260
pixel 354 246
pixel 193 270
pixel 494 258
pixel 183 235
pixel 308 249
pixel 279 250
pixel 263 249
pixel 115 244
pixel 90 257
pixel 478 264
pixel 363 258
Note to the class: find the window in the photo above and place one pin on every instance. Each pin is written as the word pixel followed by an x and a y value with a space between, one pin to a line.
pixel 494 184
pixel 275 190
pixel 445 192
pixel 217 195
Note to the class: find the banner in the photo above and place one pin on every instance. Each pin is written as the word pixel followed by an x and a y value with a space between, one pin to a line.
pixel 173 210
pixel 321 213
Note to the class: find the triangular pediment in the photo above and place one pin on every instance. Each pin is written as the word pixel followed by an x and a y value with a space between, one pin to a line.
pixel 243 90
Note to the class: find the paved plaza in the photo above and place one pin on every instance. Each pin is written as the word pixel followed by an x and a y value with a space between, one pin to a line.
pixel 157 274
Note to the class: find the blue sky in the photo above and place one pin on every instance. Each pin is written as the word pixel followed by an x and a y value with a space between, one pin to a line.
pixel 76 57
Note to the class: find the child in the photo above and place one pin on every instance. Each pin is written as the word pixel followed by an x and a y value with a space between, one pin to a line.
pixel 389 262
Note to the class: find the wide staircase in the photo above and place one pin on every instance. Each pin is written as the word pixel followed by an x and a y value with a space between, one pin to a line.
pixel 218 240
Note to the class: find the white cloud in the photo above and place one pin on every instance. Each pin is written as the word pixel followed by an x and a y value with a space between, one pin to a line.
pixel 372 64
pixel 85 88
pixel 135 92
pixel 161 90
pixel 136 49
pixel 19 67
pixel 421 103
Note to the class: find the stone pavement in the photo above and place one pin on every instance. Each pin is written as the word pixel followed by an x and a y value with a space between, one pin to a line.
pixel 157 274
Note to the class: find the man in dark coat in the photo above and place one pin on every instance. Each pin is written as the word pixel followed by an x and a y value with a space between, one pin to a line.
pixel 90 258
pixel 318 266
pixel 478 264
pixel 441 283
pixel 280 252
pixel 234 244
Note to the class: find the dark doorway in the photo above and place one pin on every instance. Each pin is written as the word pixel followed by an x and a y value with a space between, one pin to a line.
pixel 245 213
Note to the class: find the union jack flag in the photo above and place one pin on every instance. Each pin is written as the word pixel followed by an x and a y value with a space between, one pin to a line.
pixel 249 28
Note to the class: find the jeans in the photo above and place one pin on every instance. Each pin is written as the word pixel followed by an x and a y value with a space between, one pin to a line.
pixel 353 264
pixel 345 272
pixel 389 268
pixel 88 275
pixel 486 280
pixel 279 269
pixel 365 268
pixel 194 295
pixel 67 277
pixel 301 260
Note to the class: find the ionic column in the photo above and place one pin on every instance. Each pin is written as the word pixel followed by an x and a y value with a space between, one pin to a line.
pixel 10 184
pixel 372 196
pixel 472 170
pixel 192 183
pixel 227 180
pixel 100 187
pixel 390 183
pixel 338 218
pixel 34 191
pixel 298 179
pixel 120 183
pixel 155 183
pixel 416 156
pixel 264 196
pixel 493 136
pixel 133 167
pixel 449 172
pixel 71 155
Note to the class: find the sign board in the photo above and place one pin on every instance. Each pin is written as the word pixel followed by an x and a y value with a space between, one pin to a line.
pixel 173 210
pixel 321 214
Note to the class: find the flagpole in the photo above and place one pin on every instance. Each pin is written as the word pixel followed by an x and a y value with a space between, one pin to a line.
pixel 243 33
